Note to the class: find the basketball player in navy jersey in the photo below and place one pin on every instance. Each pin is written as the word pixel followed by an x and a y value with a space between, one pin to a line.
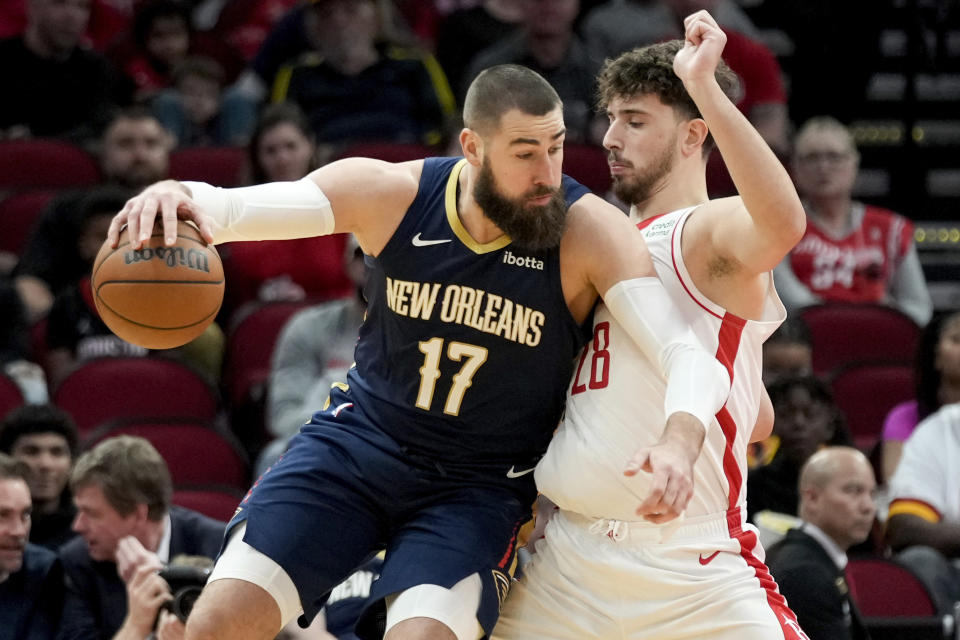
pixel 483 274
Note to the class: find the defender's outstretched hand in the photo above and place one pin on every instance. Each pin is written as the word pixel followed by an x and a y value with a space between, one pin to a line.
pixel 168 198
pixel 670 462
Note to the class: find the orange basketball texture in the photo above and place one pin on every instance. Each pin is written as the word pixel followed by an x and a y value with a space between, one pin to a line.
pixel 159 297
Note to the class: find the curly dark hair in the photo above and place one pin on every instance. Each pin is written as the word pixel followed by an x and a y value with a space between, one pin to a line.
pixel 649 70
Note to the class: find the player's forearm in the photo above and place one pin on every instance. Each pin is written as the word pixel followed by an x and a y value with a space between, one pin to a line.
pixel 761 180
pixel 272 211
pixel 907 530
pixel 696 383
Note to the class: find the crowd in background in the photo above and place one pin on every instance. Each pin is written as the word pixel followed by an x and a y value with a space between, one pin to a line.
pixel 299 83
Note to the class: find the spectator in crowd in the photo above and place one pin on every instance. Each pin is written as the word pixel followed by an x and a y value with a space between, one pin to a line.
pixel 75 332
pixel 134 152
pixel 31 577
pixel 547 43
pixel 162 36
pixel 937 379
pixel 313 352
pixel 805 420
pixel 469 30
pixel 44 438
pixel 622 25
pixel 122 490
pixel 282 149
pixel 355 86
pixel 788 351
pixel 196 113
pixel 107 19
pixel 294 35
pixel 923 522
pixel 15 348
pixel 54 87
pixel 852 252
pixel 837 508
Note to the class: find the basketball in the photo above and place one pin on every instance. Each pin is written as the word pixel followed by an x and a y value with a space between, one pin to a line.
pixel 158 297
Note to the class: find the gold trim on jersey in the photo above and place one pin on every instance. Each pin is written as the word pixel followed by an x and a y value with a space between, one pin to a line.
pixel 454 219
pixel 913 508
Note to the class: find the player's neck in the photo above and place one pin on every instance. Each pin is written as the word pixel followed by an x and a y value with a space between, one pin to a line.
pixel 676 191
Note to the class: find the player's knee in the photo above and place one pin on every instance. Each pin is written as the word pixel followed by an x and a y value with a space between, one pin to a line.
pixel 232 609
pixel 420 629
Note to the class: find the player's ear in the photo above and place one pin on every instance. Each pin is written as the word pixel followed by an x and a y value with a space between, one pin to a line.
pixel 472 145
pixel 693 135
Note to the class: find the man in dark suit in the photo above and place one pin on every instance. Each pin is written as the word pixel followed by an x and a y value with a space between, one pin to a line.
pixel 837 507
pixel 31 578
pixel 122 490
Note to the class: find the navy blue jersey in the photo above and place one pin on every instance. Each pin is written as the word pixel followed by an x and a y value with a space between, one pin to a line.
pixel 467 349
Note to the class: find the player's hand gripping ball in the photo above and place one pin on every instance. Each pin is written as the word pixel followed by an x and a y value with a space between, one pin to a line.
pixel 159 297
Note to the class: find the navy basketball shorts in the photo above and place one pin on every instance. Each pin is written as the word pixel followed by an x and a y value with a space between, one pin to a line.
pixel 344 490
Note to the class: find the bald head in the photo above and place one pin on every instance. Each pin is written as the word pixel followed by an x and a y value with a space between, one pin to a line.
pixel 836 494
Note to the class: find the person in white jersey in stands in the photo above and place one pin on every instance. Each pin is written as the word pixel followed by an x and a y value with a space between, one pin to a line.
pixel 611 564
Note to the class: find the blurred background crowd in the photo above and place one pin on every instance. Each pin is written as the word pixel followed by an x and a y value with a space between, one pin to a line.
pixel 103 97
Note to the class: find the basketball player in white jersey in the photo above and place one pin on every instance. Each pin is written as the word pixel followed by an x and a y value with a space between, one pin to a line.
pixel 612 564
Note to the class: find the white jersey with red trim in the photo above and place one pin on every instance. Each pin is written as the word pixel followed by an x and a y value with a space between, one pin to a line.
pixel 615 400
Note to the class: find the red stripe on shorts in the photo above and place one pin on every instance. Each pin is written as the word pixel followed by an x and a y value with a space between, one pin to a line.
pixel 731 329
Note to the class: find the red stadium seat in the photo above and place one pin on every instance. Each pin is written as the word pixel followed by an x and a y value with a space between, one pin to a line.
pixel 109 389
pixel 10 395
pixel 387 151
pixel 846 333
pixel 216 501
pixel 195 452
pixel 865 392
pixel 45 164
pixel 220 166
pixel 18 212
pixel 246 369
pixel 884 589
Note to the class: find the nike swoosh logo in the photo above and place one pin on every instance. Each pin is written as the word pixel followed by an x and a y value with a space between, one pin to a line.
pixel 517 474
pixel 417 242
pixel 709 558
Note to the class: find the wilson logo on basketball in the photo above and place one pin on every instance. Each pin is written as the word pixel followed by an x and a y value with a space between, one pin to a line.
pixel 174 256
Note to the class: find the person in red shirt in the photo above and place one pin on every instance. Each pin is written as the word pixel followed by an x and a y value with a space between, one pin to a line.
pixel 851 251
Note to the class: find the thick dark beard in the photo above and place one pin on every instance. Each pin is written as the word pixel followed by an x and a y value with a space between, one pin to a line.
pixel 531 228
pixel 640 186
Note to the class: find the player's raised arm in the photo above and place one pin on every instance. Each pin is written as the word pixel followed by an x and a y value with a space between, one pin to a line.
pixel 769 220
pixel 367 197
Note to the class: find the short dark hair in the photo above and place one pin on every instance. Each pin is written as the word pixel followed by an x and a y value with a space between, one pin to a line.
pixel 13 469
pixel 98 200
pixel 37 418
pixel 130 472
pixel 503 87
pixel 649 70
pixel 820 392
pixel 151 11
